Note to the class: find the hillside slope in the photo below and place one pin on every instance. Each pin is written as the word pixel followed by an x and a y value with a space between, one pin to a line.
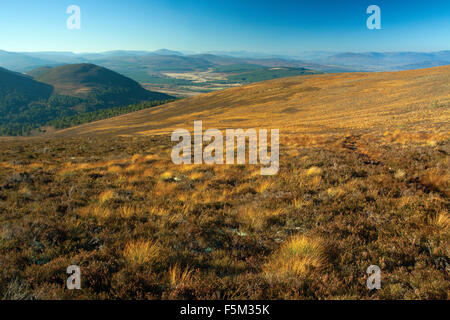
pixel 82 79
pixel 18 95
pixel 316 103
pixel 59 93
pixel 22 86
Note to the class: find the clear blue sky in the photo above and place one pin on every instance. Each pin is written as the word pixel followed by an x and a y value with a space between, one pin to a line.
pixel 202 25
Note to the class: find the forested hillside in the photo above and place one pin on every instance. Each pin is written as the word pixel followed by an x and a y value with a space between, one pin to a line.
pixel 62 94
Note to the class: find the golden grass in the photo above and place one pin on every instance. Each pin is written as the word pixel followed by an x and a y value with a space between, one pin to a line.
pixel 35 165
pixel 127 211
pixel 313 171
pixel 133 179
pixel 102 212
pixel 296 258
pixel 336 192
pixel 96 211
pixel 340 102
pixel 442 221
pixel 167 175
pixel 107 195
pixel 180 277
pixel 148 173
pixel 115 169
pixel 133 168
pixel 425 138
pixel 156 211
pixel 299 203
pixel 25 191
pixel 400 174
pixel 196 175
pixel 437 180
pixel 264 186
pixel 315 181
pixel 141 252
pixel 136 158
pixel 256 218
pixel 165 189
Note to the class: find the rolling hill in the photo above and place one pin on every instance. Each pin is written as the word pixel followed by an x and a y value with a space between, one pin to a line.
pixel 19 95
pixel 312 103
pixel 23 86
pixel 65 91
pixel 81 80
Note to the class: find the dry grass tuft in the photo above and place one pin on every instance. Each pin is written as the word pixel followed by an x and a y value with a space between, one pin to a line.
pixel 115 169
pixel 141 252
pixel 196 175
pixel 127 211
pixel 107 195
pixel 313 171
pixel 336 192
pixel 264 186
pixel 96 211
pixel 400 174
pixel 103 212
pixel 436 180
pixel 296 258
pixel 179 277
pixel 167 175
pixel 135 158
pixel 256 218
pixel 442 221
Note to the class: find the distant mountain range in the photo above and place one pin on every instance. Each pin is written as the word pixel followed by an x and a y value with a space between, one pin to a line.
pixel 386 61
pixel 142 65
pixel 366 61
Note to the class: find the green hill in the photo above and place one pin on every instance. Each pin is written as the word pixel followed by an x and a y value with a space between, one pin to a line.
pixel 19 95
pixel 16 88
pixel 89 81
pixel 70 93
pixel 38 71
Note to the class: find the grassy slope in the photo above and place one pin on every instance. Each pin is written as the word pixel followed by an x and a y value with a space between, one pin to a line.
pixel 317 103
pixel 363 180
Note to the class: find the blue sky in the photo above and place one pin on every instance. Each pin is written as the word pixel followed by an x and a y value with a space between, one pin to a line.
pixel 232 25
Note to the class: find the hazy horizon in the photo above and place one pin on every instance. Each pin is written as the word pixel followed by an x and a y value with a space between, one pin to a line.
pixel 218 52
